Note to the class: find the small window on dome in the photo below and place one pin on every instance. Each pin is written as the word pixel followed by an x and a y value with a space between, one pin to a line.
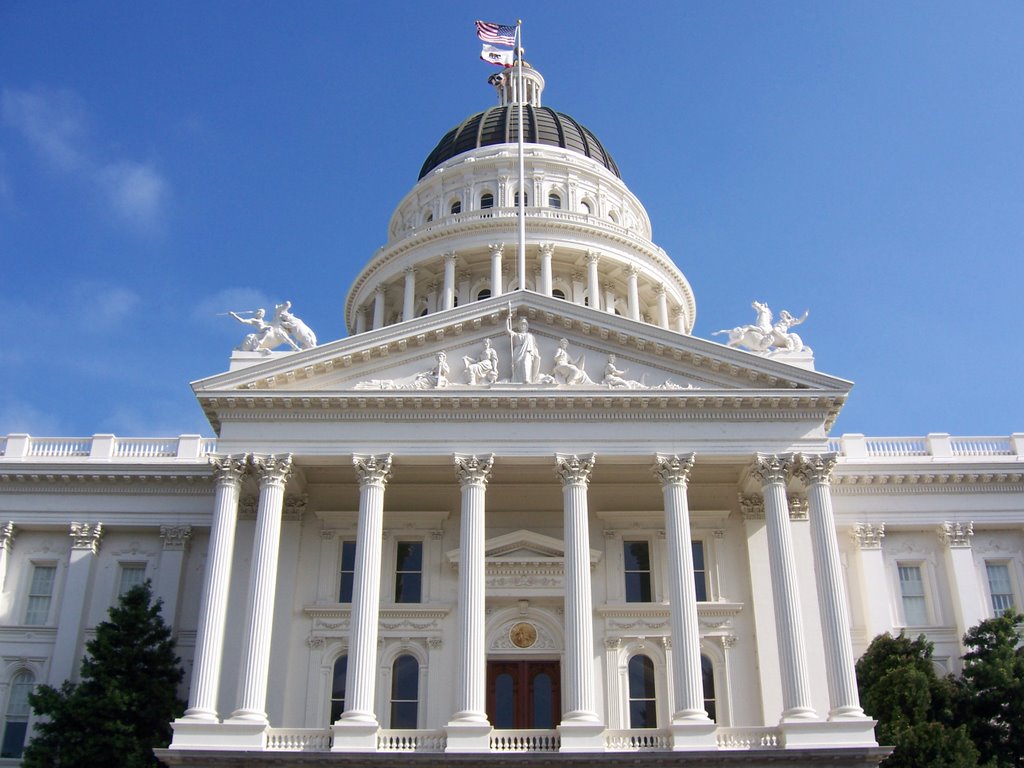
pixel 554 201
pixel 586 207
pixel 614 219
pixel 527 199
pixel 558 293
pixel 456 206
pixel 486 200
pixel 485 293
pixel 429 218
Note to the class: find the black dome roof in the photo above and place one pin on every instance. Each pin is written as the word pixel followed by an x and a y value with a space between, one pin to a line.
pixel 500 125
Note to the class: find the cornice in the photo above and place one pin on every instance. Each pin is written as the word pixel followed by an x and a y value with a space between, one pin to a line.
pixel 97 480
pixel 929 480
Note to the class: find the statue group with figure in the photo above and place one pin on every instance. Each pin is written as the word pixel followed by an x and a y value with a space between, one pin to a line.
pixel 284 328
pixel 764 336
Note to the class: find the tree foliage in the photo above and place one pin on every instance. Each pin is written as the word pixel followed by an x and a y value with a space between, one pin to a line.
pixel 127 697
pixel 913 705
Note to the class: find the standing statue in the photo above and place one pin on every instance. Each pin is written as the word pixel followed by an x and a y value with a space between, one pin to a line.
pixel 763 336
pixel 484 370
pixel 278 331
pixel 525 354
pixel 567 370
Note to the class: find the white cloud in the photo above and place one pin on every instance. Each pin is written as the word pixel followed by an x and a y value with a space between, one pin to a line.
pixel 19 416
pixel 55 124
pixel 107 306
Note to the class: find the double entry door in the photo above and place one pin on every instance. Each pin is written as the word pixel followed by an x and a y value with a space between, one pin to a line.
pixel 524 694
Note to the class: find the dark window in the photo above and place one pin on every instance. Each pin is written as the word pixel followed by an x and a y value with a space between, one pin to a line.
pixel 429 218
pixel 409 572
pixel 527 199
pixel 586 207
pixel 637 565
pixel 457 206
pixel 554 201
pixel 558 293
pixel 16 724
pixel 485 293
pixel 707 673
pixel 700 574
pixel 405 696
pixel 642 703
pixel 348 571
pixel 486 200
pixel 338 688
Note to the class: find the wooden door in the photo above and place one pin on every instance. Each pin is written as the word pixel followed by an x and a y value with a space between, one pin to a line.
pixel 524 694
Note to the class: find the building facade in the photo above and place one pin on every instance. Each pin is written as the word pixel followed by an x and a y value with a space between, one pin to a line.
pixel 518 511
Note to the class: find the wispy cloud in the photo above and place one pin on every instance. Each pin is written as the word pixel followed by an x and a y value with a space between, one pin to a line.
pixel 106 305
pixel 55 123
pixel 210 309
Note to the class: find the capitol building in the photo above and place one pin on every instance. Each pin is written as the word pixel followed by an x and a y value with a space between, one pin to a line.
pixel 518 511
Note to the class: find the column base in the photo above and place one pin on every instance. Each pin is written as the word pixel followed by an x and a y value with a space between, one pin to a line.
pixel 581 735
pixel 468 736
pixel 693 734
pixel 354 736
pixel 214 735
pixel 835 733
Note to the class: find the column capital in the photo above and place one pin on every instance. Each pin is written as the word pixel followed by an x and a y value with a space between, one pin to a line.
pixel 798 508
pixel 473 470
pixel 814 468
pixel 7 531
pixel 409 270
pixel 272 469
pixel 496 249
pixel 673 469
pixel 86 536
pixel 295 507
pixel 175 537
pixel 593 257
pixel 380 290
pixel 752 506
pixel 956 534
pixel 449 257
pixel 660 289
pixel 229 468
pixel 546 249
pixel 574 470
pixel 372 470
pixel 632 270
pixel 868 535
pixel 769 468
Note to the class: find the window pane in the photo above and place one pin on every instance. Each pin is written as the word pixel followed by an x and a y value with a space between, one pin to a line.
pixel 505 701
pixel 487 201
pixel 457 207
pixel 543 714
pixel 405 681
pixel 18 711
pixel 14 738
pixel 999 587
pixel 642 708
pixel 131 576
pixel 636 557
pixel 707 672
pixel 40 593
pixel 700 576
pixel 554 201
pixel 408 575
pixel 338 688
pixel 348 571
pixel 915 609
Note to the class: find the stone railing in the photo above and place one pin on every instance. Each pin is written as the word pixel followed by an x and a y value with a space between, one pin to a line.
pixel 299 739
pixel 937 445
pixel 637 740
pixel 105 448
pixel 393 740
pixel 748 738
pixel 525 741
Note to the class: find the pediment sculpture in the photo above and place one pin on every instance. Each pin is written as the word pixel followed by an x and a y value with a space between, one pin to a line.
pixel 765 336
pixel 284 328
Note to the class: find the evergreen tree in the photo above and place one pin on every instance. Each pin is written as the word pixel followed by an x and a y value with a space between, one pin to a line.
pixel 991 700
pixel 913 706
pixel 126 700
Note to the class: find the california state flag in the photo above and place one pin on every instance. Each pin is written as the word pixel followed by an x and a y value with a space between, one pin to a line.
pixel 497 56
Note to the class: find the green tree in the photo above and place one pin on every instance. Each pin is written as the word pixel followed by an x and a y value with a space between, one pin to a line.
pixel 991 690
pixel 126 700
pixel 913 706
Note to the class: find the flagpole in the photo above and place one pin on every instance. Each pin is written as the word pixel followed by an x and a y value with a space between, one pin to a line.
pixel 522 170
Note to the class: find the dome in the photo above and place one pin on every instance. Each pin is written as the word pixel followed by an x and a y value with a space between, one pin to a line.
pixel 500 125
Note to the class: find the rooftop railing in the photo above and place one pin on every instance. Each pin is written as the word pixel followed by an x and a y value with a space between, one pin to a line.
pixel 937 445
pixel 105 448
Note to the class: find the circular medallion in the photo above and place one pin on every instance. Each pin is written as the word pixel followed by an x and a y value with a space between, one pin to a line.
pixel 523 635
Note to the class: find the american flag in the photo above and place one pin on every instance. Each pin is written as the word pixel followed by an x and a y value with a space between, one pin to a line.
pixel 500 34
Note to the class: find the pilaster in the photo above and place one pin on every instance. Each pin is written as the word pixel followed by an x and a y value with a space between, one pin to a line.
pixel 85 545
pixel 964 586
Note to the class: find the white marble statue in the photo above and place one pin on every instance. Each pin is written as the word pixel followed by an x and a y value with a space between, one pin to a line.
pixel 435 378
pixel 614 378
pixel 763 336
pixel 567 370
pixel 525 353
pixel 280 330
pixel 484 370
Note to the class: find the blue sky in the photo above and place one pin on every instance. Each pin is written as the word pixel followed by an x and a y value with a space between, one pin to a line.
pixel 162 162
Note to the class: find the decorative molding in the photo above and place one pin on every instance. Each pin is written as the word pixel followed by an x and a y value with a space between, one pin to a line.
pixel 956 534
pixel 315 642
pixel 752 506
pixel 769 469
pixel 471 470
pixel 247 507
pixel 86 536
pixel 574 470
pixel 868 535
pixel 175 537
pixel 674 469
pixel 798 507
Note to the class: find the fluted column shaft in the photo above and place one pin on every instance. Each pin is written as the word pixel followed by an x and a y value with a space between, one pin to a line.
pixel 580 704
pixel 471 672
pixel 228 471
pixel 378 308
pixel 497 287
pixel 662 306
pixel 373 473
pixel 409 298
pixel 448 288
pixel 273 472
pixel 546 252
pixel 633 292
pixel 773 473
pixel 593 287
pixel 674 473
pixel 815 472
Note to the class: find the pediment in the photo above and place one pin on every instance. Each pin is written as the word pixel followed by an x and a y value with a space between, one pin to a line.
pixel 523 549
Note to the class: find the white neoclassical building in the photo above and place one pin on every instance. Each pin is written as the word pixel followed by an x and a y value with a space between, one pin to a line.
pixel 518 512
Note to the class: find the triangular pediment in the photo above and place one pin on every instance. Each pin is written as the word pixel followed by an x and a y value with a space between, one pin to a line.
pixel 523 548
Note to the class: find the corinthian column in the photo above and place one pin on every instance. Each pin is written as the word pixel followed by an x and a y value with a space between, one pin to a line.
pixel 468 729
pixel 815 472
pixel 580 704
pixel 448 288
pixel 687 681
pixel 547 250
pixel 593 289
pixel 273 472
pixel 373 473
pixel 497 285
pixel 213 604
pixel 773 472
pixel 409 295
pixel 633 291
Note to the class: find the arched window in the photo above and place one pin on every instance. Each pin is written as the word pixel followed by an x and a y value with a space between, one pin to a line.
pixel 614 219
pixel 486 200
pixel 338 688
pixel 456 206
pixel 527 199
pixel 707 673
pixel 18 710
pixel 428 218
pixel 485 293
pixel 586 207
pixel 558 293
pixel 405 692
pixel 642 703
pixel 554 201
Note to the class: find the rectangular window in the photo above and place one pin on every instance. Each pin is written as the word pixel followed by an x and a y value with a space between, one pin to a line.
pixel 132 574
pixel 915 608
pixel 700 573
pixel 348 571
pixel 40 594
pixel 999 587
pixel 636 557
pixel 409 572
